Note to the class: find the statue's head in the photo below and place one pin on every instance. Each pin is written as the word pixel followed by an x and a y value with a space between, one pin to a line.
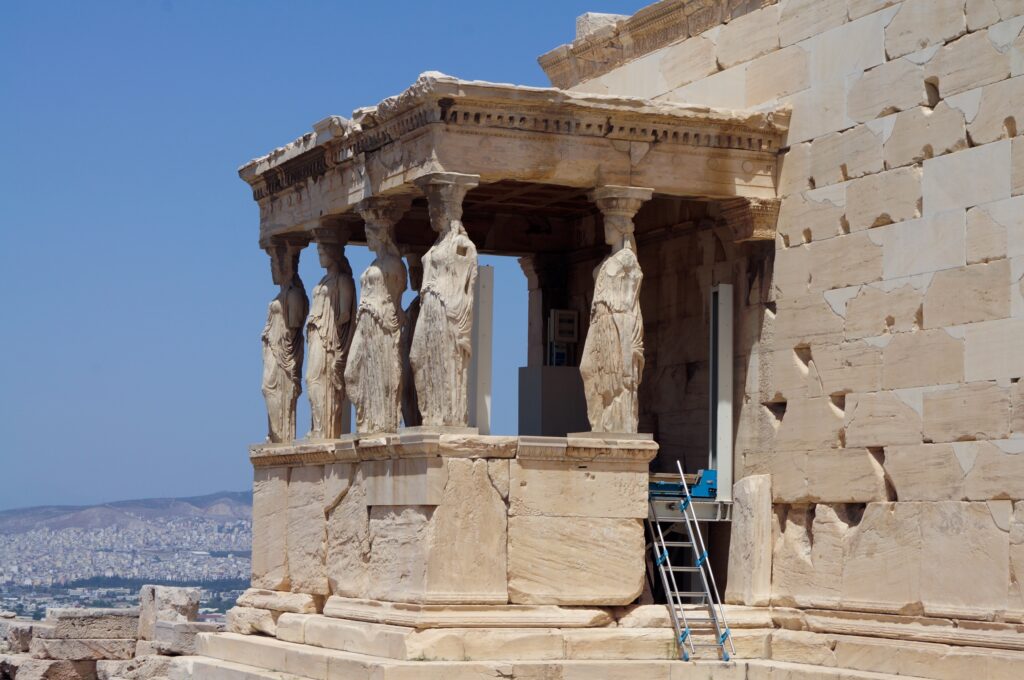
pixel 618 230
pixel 330 254
pixel 284 263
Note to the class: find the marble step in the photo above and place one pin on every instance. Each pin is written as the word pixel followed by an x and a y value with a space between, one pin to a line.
pixel 239 657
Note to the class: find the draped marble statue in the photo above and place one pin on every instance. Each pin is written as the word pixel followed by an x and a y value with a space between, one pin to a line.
pixel 282 342
pixel 373 375
pixel 613 354
pixel 328 335
pixel 410 404
pixel 442 343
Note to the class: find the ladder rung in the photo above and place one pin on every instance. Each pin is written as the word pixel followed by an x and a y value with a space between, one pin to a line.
pixel 677 544
pixel 707 644
pixel 689 593
pixel 690 569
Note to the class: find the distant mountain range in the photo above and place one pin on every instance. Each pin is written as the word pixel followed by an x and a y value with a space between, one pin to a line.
pixel 224 505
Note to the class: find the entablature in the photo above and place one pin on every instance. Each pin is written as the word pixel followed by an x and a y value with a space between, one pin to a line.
pixel 505 133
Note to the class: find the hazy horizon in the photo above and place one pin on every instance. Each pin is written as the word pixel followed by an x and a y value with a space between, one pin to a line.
pixel 131 357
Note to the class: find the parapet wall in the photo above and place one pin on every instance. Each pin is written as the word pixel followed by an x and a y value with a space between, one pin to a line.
pixel 452 519
pixel 883 395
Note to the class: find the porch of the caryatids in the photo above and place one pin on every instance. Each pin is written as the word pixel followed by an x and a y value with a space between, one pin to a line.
pixel 282 339
pixel 329 331
pixel 613 354
pixel 442 343
pixel 373 375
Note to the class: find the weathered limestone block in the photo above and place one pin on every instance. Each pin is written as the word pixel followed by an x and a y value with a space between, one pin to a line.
pixel 809 424
pixel 876 311
pixel 146 668
pixel 24 668
pixel 750 545
pixel 841 156
pixel 270 528
pixel 812 215
pixel 774 76
pixel 17 634
pixel 800 19
pixel 1017 408
pixel 920 23
pixel 967 412
pixel 967 178
pixel 884 198
pixel 297 603
pixel 748 37
pixel 925 472
pixel 688 61
pixel 997 471
pixel 82 649
pixel 978 292
pixel 829 476
pixel 995 231
pixel 880 419
pixel 923 246
pixel 174 638
pixel 802 647
pixel 348 532
pixel 838 262
pixel 521 644
pixel 1017 167
pixel 992 350
pixel 848 367
pixel 560 489
pixel 967 63
pixel 1015 599
pixel 859 8
pixel 795 165
pixel 307 530
pixel 252 621
pixel 579 561
pixel 165 603
pixel 396 570
pixel 995 110
pixel 894 86
pixel 468 539
pixel 805 319
pixel 882 562
pixel 968 531
pixel 922 132
pixel 91 623
pixel 410 481
pixel 922 358
pixel 808 556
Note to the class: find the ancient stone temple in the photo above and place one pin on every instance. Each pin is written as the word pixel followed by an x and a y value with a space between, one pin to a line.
pixel 781 242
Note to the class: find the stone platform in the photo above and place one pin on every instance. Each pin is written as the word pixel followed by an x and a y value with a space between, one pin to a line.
pixel 452 518
pixel 422 642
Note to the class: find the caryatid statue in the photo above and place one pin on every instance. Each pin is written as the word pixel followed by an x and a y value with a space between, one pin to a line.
pixel 410 404
pixel 613 353
pixel 282 342
pixel 328 335
pixel 442 343
pixel 373 375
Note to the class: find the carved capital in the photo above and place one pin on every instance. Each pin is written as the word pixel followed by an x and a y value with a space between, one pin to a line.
pixel 332 233
pixel 751 219
pixel 383 211
pixel 445 192
pixel 619 205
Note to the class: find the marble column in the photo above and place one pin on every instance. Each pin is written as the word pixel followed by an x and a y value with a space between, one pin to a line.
pixel 329 331
pixel 613 354
pixel 373 375
pixel 282 339
pixel 442 343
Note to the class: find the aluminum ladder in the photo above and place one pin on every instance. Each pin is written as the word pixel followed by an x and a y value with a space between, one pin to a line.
pixel 681 622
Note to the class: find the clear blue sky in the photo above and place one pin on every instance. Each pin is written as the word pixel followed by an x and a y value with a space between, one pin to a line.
pixel 136 291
